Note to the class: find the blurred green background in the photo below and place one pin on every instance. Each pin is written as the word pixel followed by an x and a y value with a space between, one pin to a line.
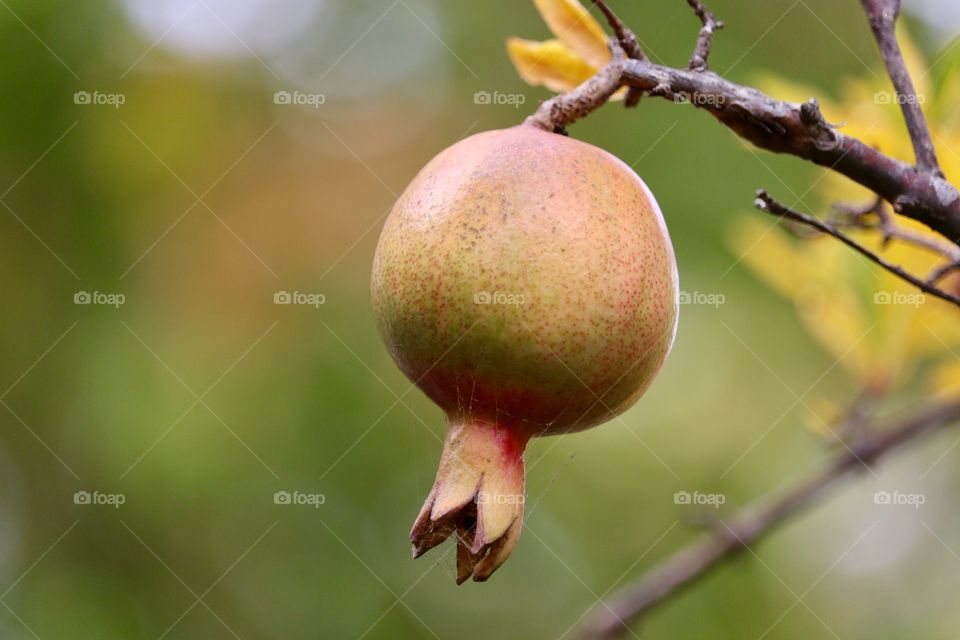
pixel 193 402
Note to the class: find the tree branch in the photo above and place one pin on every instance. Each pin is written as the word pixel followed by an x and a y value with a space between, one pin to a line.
pixel 565 108
pixel 731 536
pixel 800 130
pixel 766 203
pixel 882 15
pixel 784 127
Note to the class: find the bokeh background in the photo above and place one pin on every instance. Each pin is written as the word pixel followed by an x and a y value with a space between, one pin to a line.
pixel 185 190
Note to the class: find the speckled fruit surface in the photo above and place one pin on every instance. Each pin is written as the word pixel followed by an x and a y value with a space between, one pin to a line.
pixel 525 281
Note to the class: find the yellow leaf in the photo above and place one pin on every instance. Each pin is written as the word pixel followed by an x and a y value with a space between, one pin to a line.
pixel 945 109
pixel 550 64
pixel 576 28
pixel 770 255
pixel 837 321
pixel 840 295
pixel 946 379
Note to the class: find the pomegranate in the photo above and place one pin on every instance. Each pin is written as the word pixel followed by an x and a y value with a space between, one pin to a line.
pixel 526 283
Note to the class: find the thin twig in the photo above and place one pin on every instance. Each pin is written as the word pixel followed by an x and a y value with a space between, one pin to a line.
pixel 882 15
pixel 765 202
pixel 949 251
pixel 942 272
pixel 627 38
pixel 698 61
pixel 630 45
pixel 858 218
pixel 732 535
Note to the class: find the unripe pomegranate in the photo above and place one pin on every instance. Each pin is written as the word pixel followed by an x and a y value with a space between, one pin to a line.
pixel 526 283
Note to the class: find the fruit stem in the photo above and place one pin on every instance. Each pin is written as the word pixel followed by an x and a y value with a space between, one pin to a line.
pixel 556 113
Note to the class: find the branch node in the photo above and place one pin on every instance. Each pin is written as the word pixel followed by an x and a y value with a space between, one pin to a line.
pixel 903 202
pixel 662 90
pixel 824 136
pixel 810 113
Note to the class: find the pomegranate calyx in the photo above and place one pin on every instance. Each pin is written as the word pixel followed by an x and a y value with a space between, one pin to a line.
pixel 478 495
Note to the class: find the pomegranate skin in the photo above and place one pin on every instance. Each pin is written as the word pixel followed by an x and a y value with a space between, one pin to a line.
pixel 527 274
pixel 525 281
